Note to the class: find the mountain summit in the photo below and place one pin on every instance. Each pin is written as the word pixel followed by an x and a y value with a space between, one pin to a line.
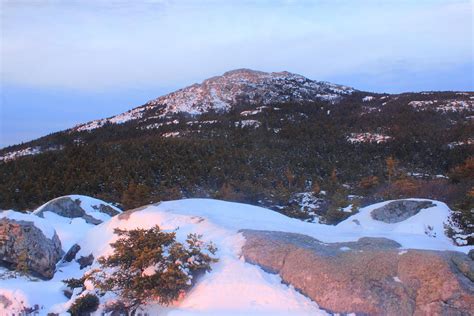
pixel 250 86
pixel 220 93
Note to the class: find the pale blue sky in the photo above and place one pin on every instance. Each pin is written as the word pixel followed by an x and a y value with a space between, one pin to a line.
pixel 66 62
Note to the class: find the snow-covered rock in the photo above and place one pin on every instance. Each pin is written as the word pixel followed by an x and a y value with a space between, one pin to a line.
pixel 72 216
pixel 46 233
pixel 429 222
pixel 22 242
pixel 398 211
pixel 93 211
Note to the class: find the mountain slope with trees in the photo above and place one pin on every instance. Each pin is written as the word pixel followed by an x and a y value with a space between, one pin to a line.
pixel 357 144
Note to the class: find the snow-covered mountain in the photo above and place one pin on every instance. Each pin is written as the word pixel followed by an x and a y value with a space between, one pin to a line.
pixel 220 93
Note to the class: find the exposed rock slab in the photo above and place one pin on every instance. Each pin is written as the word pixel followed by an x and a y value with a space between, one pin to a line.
pixel 22 242
pixel 398 211
pixel 126 215
pixel 106 209
pixel 371 276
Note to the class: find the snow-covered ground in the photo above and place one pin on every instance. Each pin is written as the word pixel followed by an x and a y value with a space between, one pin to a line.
pixel 28 151
pixel 20 153
pixel 134 114
pixel 368 98
pixel 257 110
pixel 368 138
pixel 170 134
pixel 466 142
pixel 443 106
pixel 233 287
pixel 248 123
pixel 158 125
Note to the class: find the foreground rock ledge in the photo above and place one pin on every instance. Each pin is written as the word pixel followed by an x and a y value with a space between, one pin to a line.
pixel 23 239
pixel 370 276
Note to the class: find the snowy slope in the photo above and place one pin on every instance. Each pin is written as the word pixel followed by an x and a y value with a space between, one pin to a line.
pixel 233 287
pixel 27 151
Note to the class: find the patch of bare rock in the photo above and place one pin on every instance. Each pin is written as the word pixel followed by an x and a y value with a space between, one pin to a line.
pixel 371 276
pixel 400 210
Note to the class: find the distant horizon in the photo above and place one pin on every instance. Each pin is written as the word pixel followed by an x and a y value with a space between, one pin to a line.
pixel 68 63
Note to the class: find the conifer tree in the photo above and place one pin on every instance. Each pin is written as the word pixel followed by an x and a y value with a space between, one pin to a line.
pixel 315 188
pixel 391 165
pixel 135 195
pixel 149 264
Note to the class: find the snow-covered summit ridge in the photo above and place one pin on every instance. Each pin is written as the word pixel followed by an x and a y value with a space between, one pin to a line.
pixel 220 93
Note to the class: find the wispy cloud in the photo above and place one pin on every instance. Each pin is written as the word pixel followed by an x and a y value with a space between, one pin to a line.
pixel 103 45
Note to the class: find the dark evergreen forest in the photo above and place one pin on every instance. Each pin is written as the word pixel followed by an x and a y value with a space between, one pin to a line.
pixel 296 148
